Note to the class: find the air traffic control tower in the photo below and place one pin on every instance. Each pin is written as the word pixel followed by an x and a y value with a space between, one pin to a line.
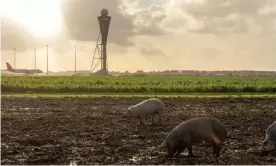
pixel 104 21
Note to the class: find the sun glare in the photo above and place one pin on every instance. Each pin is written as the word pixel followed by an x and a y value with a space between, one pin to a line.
pixel 41 17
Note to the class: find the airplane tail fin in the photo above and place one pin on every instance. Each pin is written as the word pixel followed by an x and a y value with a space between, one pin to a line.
pixel 9 67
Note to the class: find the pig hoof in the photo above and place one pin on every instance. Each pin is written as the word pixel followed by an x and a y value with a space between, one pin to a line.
pixel 192 156
pixel 263 153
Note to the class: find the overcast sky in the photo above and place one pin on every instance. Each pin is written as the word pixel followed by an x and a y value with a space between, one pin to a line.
pixel 144 34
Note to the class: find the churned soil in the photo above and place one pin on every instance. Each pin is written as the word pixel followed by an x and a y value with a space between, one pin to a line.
pixel 92 131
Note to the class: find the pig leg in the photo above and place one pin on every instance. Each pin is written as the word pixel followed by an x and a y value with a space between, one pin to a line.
pixel 187 142
pixel 160 117
pixel 262 148
pixel 190 150
pixel 171 151
pixel 179 150
pixel 152 119
pixel 263 153
pixel 216 143
pixel 216 149
pixel 219 147
pixel 141 120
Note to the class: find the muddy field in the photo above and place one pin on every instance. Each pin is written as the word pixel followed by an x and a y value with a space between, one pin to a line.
pixel 91 131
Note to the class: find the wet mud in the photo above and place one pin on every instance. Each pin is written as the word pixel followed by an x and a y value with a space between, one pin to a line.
pixel 92 131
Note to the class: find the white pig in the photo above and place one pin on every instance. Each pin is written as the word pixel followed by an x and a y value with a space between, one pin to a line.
pixel 269 144
pixel 149 107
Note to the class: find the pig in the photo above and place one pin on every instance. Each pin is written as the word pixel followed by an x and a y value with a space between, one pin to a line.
pixel 194 131
pixel 269 144
pixel 149 107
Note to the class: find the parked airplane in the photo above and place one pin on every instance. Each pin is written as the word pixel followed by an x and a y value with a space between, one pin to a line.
pixel 26 71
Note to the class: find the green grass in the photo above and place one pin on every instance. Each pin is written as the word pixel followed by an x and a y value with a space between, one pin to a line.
pixel 137 84
pixel 138 95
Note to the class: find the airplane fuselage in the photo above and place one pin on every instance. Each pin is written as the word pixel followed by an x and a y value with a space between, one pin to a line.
pixel 26 71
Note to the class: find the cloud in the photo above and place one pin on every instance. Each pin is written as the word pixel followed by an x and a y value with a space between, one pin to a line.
pixel 147 20
pixel 149 51
pixel 14 35
pixel 230 24
pixel 268 10
pixel 221 17
pixel 215 17
pixel 267 18
pixel 168 34
pixel 221 8
pixel 212 16
pixel 80 19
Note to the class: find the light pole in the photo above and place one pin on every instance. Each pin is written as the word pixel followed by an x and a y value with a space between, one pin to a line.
pixel 1 38
pixel 14 57
pixel 47 58
pixel 35 57
pixel 75 60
